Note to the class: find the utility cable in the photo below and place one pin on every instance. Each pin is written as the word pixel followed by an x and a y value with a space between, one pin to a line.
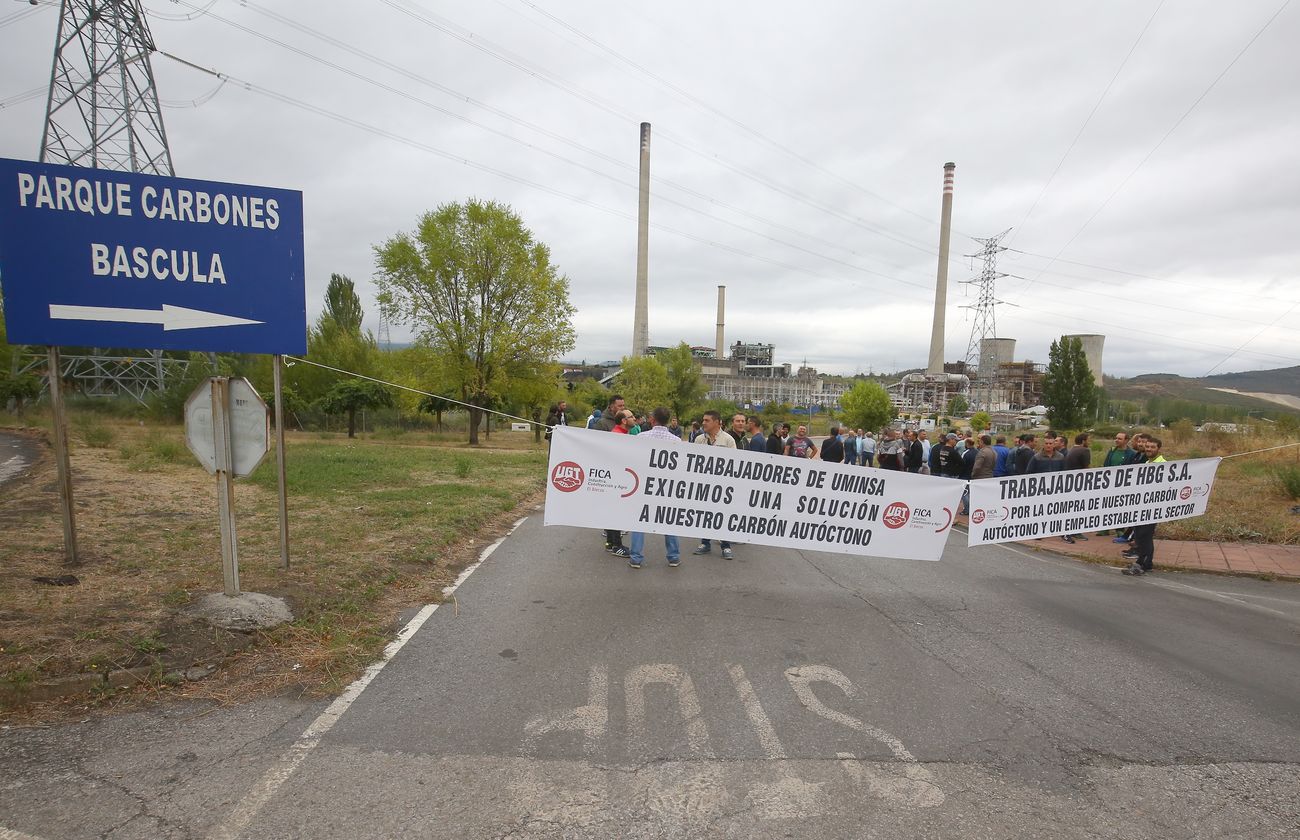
pixel 514 139
pixel 416 391
pixel 485 46
pixel 709 108
pixel 320 111
pixel 1252 338
pixel 1172 129
pixel 1087 120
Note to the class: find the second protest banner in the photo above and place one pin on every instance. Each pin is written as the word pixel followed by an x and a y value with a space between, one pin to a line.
pixel 604 480
pixel 1026 507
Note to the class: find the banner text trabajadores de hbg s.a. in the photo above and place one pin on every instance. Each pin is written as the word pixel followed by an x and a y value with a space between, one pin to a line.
pixel 606 480
pixel 1026 507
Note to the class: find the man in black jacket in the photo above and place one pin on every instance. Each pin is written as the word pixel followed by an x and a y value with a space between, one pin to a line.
pixel 1025 454
pixel 914 452
pixel 832 447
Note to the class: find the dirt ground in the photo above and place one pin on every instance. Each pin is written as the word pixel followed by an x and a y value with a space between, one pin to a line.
pixel 149 546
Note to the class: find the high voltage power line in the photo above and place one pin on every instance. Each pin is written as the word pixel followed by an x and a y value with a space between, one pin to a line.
pixel 693 237
pixel 361 125
pixel 443 25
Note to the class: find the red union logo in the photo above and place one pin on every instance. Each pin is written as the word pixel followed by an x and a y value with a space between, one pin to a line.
pixel 896 515
pixel 567 476
pixel 977 516
pixel 1185 493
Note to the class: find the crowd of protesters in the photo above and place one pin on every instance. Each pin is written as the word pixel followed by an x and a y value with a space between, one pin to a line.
pixel 962 456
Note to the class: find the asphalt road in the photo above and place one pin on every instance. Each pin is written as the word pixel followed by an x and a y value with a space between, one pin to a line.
pixel 997 693
pixel 17 454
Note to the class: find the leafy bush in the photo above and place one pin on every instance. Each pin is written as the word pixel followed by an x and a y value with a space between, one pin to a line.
pixel 1289 478
pixel 97 435
pixel 463 466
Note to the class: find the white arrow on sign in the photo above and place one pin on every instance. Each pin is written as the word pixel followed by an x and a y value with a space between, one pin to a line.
pixel 171 317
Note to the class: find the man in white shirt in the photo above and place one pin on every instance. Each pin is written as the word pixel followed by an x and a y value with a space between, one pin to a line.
pixel 712 435
pixel 658 433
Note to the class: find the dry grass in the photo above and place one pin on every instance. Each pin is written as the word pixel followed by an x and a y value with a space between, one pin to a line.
pixel 1249 503
pixel 376 526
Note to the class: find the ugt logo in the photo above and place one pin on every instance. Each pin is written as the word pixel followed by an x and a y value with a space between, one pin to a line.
pixel 896 515
pixel 977 516
pixel 567 476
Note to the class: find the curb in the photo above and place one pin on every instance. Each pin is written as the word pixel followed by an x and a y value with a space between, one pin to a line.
pixel 14 695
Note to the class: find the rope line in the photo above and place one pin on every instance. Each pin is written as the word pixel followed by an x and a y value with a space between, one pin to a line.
pixel 1257 451
pixel 544 426
pixel 416 391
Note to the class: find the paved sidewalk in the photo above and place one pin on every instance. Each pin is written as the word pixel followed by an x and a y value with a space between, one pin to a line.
pixel 1223 558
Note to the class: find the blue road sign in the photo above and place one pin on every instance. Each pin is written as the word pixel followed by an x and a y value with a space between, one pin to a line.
pixel 92 257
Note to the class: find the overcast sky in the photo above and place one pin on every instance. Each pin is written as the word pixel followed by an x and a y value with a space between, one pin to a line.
pixel 797 158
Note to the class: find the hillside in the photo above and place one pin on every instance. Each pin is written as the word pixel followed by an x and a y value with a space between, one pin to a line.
pixel 1284 382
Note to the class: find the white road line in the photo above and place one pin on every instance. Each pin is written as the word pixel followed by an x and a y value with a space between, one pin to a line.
pixel 757 716
pixel 252 802
pixel 591 720
pixel 1148 581
pixel 1172 584
pixel 801 680
pixel 688 704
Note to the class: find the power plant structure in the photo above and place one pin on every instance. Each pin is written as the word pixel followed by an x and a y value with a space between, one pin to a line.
pixel 1092 347
pixel 988 378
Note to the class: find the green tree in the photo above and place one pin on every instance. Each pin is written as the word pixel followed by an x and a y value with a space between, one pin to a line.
pixel 643 383
pixel 342 305
pixel 686 387
pixel 958 405
pixel 482 292
pixel 352 395
pixel 21 389
pixel 436 405
pixel 980 421
pixel 867 406
pixel 1068 388
pixel 586 396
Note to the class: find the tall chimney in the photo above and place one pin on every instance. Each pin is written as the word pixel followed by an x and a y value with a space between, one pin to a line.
pixel 641 316
pixel 941 283
pixel 720 351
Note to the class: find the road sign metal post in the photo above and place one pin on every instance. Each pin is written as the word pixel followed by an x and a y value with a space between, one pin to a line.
pixel 61 458
pixel 227 429
pixel 279 464
pixel 225 459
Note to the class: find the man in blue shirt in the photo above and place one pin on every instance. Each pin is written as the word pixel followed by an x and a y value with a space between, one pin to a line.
pixel 757 442
pixel 1004 454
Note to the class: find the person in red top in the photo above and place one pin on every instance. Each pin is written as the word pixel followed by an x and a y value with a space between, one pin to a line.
pixel 626 421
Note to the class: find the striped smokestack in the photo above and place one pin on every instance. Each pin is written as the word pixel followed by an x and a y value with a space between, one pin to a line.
pixel 719 350
pixel 935 364
pixel 641 315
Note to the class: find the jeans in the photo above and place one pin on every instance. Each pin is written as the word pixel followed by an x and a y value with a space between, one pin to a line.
pixel 638 547
pixel 1144 543
pixel 867 458
pixel 708 544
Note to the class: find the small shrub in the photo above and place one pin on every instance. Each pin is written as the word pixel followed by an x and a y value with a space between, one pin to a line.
pixel 463 466
pixel 167 450
pixel 98 436
pixel 1289 478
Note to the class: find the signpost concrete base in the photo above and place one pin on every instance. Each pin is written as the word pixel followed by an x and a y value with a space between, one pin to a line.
pixel 244 612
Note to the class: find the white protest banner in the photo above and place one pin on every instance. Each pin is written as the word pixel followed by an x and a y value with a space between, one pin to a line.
pixel 607 480
pixel 1026 507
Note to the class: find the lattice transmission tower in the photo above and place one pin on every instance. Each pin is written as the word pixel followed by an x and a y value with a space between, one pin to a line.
pixel 102 109
pixel 985 324
pixel 103 112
